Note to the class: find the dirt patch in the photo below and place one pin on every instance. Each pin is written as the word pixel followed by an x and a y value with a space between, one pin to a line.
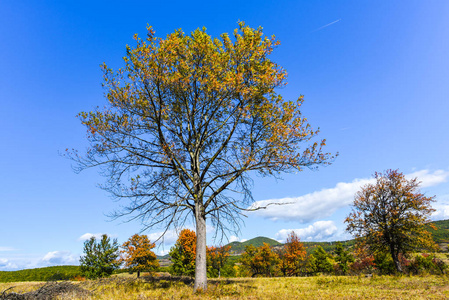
pixel 48 291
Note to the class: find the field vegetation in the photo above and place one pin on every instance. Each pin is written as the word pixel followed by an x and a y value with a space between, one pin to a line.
pixel 319 287
pixel 265 269
pixel 42 274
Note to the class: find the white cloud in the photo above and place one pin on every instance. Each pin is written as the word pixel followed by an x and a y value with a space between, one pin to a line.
pixel 233 238
pixel 441 213
pixel 441 208
pixel 7 265
pixel 6 249
pixel 318 231
pixel 324 203
pixel 169 237
pixel 88 235
pixel 31 261
pixel 55 258
pixel 163 252
pixel 429 179
pixel 316 205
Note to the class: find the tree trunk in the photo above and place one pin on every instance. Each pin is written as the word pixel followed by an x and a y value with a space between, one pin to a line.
pixel 138 274
pixel 396 262
pixel 200 261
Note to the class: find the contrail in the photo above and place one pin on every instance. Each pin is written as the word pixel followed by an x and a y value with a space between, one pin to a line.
pixel 322 27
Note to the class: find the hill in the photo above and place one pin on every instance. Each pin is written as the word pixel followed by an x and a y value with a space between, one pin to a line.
pixel 441 233
pixel 239 247
pixel 41 274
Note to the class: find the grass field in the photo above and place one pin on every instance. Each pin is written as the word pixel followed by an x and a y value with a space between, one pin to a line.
pixel 320 287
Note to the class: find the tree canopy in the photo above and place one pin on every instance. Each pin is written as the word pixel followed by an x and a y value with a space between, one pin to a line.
pixel 390 216
pixel 137 254
pixel 188 119
pixel 216 259
pixel 260 261
pixel 100 257
pixel 292 256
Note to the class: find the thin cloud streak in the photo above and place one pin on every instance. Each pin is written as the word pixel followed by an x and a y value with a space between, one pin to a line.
pixel 327 25
pixel 7 249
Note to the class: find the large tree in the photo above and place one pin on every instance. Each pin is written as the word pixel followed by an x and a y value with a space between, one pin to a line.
pixel 188 119
pixel 390 216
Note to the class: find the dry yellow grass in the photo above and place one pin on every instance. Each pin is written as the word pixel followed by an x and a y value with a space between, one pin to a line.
pixel 20 287
pixel 325 287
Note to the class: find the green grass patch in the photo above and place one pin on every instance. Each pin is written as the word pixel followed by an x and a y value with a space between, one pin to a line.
pixel 41 274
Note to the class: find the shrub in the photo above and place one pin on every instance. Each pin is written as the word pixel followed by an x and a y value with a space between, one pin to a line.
pixel 426 263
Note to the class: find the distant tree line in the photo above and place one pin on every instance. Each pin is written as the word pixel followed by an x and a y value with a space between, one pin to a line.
pixel 291 259
pixel 42 274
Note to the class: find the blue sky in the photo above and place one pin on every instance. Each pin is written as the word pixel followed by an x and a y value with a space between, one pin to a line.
pixel 375 76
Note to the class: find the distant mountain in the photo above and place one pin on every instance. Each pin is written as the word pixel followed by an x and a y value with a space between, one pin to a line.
pixel 239 247
pixel 440 236
pixel 166 256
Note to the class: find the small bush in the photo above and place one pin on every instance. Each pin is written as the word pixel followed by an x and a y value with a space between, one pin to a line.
pixel 426 263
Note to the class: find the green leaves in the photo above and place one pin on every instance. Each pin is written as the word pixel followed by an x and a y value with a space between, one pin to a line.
pixel 183 253
pixel 260 261
pixel 100 257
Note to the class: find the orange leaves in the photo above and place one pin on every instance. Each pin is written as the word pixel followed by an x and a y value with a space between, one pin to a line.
pixel 137 254
pixel 292 256
pixel 185 78
pixel 183 253
pixel 194 115
pixel 260 261
pixel 187 239
pixel 216 258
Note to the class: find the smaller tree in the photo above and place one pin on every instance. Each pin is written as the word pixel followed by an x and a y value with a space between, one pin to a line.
pixel 100 258
pixel 216 259
pixel 309 266
pixel 390 216
pixel 343 258
pixel 137 254
pixel 260 261
pixel 292 256
pixel 183 253
pixel 323 262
